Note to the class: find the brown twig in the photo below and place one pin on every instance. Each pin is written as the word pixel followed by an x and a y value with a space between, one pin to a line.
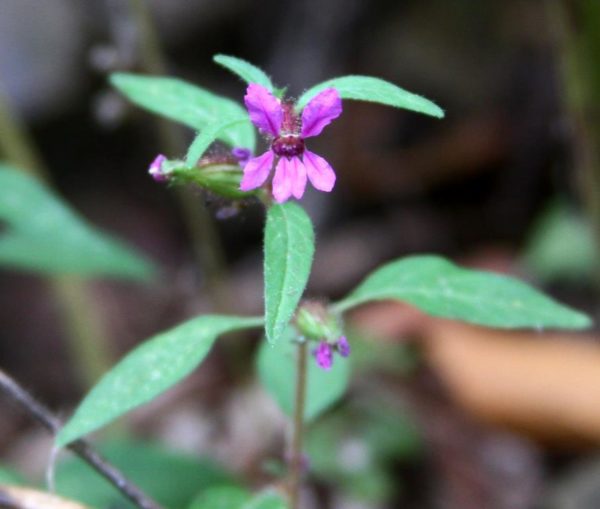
pixel 81 447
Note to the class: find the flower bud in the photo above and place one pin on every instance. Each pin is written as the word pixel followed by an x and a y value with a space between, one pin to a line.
pixel 314 321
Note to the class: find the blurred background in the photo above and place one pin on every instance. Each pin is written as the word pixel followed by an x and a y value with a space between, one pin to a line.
pixel 439 415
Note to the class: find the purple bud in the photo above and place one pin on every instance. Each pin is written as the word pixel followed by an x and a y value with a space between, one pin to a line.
pixel 324 355
pixel 241 154
pixel 343 347
pixel 156 169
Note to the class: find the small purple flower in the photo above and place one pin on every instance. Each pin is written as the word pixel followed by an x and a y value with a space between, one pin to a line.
pixel 343 347
pixel 324 355
pixel 156 169
pixel 241 154
pixel 293 163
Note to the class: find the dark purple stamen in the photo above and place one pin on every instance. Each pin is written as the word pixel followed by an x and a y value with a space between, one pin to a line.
pixel 288 146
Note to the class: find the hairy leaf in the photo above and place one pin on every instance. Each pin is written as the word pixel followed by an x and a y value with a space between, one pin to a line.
pixel 289 249
pixel 186 103
pixel 440 288
pixel 245 70
pixel 367 88
pixel 149 370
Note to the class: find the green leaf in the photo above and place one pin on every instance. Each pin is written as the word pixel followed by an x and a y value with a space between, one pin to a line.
pixel 149 370
pixel 440 288
pixel 186 103
pixel 289 250
pixel 234 497
pixel 44 235
pixel 171 478
pixel 562 246
pixel 367 88
pixel 10 476
pixel 208 135
pixel 221 497
pixel 245 70
pixel 268 499
pixel 276 368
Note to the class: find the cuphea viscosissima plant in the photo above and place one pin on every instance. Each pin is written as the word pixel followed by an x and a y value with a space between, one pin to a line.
pixel 302 387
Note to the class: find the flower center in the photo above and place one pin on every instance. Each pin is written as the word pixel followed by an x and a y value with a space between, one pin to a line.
pixel 288 145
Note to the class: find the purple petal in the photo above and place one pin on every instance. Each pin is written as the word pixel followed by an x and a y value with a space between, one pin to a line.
pixel 241 154
pixel 320 111
pixel 298 177
pixel 319 171
pixel 324 355
pixel 343 347
pixel 264 109
pixel 156 170
pixel 256 171
pixel 283 180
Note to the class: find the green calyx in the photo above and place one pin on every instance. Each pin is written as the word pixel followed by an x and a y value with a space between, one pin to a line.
pixel 222 179
pixel 314 321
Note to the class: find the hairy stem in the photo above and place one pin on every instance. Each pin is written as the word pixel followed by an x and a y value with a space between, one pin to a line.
pixel 86 340
pixel 296 454
pixel 81 447
pixel 203 233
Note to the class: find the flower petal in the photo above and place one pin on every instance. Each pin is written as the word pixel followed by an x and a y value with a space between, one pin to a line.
pixel 283 180
pixel 256 171
pixel 320 173
pixel 320 111
pixel 298 177
pixel 264 109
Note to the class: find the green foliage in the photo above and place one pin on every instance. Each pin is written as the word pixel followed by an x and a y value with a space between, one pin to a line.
pixel 172 479
pixel 221 497
pixel 188 104
pixel 45 235
pixel 234 497
pixel 276 366
pixel 367 88
pixel 9 476
pixel 561 246
pixel 149 370
pixel 354 446
pixel 440 288
pixel 210 134
pixel 289 249
pixel 245 70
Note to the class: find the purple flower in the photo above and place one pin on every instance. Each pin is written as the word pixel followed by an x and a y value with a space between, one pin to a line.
pixel 343 347
pixel 293 163
pixel 241 154
pixel 324 355
pixel 156 169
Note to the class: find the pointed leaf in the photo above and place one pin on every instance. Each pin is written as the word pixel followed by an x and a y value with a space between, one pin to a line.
pixel 245 70
pixel 289 250
pixel 186 103
pixel 440 288
pixel 44 235
pixel 149 370
pixel 276 366
pixel 208 135
pixel 367 88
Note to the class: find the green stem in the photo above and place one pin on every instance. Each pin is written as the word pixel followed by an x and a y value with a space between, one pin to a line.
pixel 201 228
pixel 87 343
pixel 296 454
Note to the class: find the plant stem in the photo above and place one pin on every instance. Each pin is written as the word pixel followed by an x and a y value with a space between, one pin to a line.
pixel 80 447
pixel 201 228
pixel 296 454
pixel 87 342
